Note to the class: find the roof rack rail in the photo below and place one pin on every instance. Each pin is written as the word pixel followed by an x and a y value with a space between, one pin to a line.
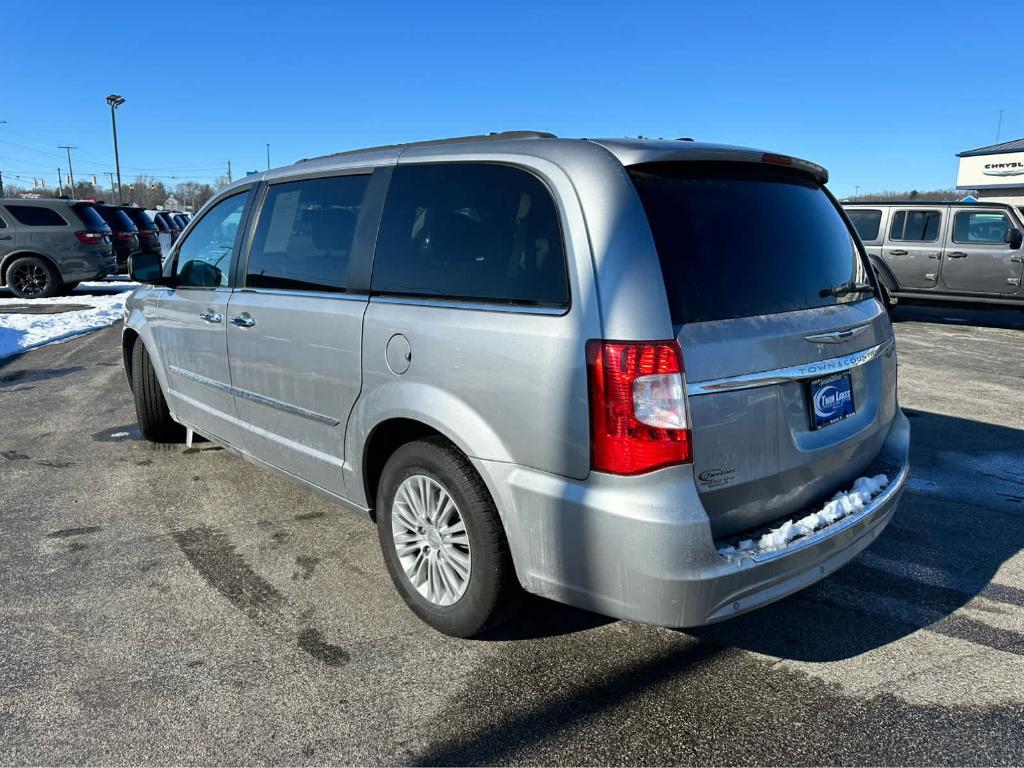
pixel 496 136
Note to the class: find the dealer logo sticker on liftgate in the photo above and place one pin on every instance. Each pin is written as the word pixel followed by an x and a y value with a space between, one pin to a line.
pixel 831 399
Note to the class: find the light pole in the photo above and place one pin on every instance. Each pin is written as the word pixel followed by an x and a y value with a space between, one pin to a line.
pixel 2 122
pixel 268 157
pixel 71 171
pixel 116 101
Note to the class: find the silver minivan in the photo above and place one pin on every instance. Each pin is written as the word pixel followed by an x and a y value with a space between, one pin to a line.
pixel 652 379
pixel 944 251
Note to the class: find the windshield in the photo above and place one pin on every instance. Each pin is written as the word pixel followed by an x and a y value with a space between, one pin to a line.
pixel 739 239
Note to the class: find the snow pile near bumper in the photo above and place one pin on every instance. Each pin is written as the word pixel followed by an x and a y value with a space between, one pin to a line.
pixel 20 332
pixel 843 504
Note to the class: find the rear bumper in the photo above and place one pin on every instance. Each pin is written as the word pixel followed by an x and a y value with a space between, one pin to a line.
pixel 94 266
pixel 642 548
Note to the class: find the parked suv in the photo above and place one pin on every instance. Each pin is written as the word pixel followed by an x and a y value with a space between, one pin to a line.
pixel 49 246
pixel 148 232
pixel 944 251
pixel 648 378
pixel 123 232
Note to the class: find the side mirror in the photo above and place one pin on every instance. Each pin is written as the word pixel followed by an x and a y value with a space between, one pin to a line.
pixel 1014 237
pixel 146 268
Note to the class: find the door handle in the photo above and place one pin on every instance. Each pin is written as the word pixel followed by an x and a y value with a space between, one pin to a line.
pixel 211 317
pixel 243 321
pixel 5 237
pixel 897 253
pixel 934 255
pixel 957 255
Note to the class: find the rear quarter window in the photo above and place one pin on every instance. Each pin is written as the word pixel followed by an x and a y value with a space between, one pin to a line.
pixel 866 222
pixel 740 240
pixel 118 220
pixel 90 217
pixel 140 218
pixel 36 216
pixel 471 231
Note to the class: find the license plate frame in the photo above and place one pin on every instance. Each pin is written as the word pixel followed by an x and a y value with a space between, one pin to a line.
pixel 830 399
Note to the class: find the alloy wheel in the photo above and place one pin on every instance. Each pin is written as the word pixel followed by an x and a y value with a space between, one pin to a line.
pixel 29 279
pixel 431 540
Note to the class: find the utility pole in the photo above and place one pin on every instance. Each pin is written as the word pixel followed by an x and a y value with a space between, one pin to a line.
pixel 229 171
pixel 71 171
pixel 110 177
pixel 999 126
pixel 856 190
pixel 60 184
pixel 268 157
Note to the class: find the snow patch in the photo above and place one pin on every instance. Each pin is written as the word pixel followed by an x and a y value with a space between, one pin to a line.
pixel 19 332
pixel 842 505
pixel 121 434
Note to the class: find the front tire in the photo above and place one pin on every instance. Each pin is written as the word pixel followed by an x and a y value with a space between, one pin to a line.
pixel 33 278
pixel 155 422
pixel 442 540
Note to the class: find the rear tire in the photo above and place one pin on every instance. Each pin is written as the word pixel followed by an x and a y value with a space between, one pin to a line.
pixel 155 422
pixel 31 277
pixel 472 584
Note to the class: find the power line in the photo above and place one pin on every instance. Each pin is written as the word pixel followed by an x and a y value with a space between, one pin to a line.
pixel 133 168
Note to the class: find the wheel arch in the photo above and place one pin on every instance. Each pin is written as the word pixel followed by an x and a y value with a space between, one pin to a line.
pixel 885 275
pixel 383 440
pixel 129 338
pixel 15 255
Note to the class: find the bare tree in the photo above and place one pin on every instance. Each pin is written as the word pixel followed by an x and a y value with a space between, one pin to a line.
pixel 192 194
pixel 938 195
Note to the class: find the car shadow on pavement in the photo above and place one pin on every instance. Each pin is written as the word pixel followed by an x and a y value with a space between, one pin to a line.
pixel 538 618
pixel 960 519
pixel 979 315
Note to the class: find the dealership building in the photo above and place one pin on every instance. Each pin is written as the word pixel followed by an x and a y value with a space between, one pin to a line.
pixel 995 172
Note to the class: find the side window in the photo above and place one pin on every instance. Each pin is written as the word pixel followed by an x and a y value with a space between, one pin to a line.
pixel 36 216
pixel 204 257
pixel 920 226
pixel 474 231
pixel 866 223
pixel 305 232
pixel 3 224
pixel 980 227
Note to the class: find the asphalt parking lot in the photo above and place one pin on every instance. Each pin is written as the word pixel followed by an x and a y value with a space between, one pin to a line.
pixel 171 605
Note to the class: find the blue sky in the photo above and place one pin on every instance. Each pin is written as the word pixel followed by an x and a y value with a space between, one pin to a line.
pixel 883 94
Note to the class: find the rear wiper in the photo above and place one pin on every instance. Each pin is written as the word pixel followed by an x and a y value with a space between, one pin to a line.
pixel 845 288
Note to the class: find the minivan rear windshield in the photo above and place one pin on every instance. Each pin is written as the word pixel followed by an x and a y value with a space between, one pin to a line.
pixel 739 239
pixel 90 217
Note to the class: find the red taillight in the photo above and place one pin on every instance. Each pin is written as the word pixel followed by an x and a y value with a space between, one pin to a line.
pixel 146 232
pixel 90 238
pixel 124 235
pixel 638 417
pixel 768 157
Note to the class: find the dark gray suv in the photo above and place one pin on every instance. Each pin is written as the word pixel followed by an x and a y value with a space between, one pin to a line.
pixel 48 246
